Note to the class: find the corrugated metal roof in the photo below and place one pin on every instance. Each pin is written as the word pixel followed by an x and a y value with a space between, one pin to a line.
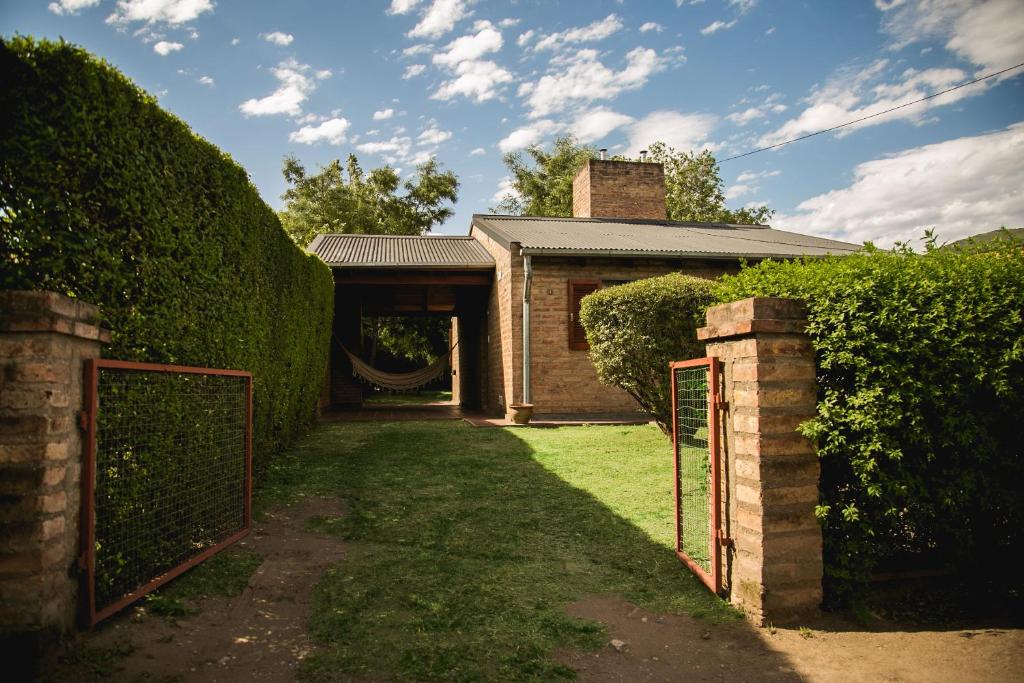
pixel 388 251
pixel 619 237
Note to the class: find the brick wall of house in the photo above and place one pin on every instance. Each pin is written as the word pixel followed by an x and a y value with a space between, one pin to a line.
pixel 619 189
pixel 502 369
pixel 564 380
pixel 44 339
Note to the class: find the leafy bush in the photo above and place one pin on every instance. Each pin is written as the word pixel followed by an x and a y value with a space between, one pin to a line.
pixel 106 197
pixel 921 401
pixel 635 330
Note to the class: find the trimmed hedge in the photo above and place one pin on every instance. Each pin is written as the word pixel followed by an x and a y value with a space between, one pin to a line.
pixel 921 405
pixel 106 197
pixel 635 330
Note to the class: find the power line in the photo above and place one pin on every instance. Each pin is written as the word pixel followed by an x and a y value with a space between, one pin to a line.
pixel 871 116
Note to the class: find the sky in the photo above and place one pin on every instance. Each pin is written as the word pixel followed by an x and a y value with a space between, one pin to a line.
pixel 398 81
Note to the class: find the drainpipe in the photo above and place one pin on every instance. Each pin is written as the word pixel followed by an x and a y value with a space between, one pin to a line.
pixel 527 283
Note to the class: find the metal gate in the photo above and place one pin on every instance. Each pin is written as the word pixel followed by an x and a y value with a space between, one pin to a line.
pixel 695 437
pixel 166 478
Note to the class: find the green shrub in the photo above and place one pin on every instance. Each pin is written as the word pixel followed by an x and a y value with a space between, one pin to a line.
pixel 635 330
pixel 921 401
pixel 106 197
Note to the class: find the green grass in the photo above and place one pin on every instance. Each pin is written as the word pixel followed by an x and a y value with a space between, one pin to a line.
pixel 391 398
pixel 466 544
pixel 226 574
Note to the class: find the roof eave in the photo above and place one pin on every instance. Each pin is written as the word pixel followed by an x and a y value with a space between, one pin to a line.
pixel 621 253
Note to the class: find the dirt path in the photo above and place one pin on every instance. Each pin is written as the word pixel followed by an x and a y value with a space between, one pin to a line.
pixel 260 635
pixel 680 648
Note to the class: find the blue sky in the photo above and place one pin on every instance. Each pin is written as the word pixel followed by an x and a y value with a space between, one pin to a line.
pixel 397 81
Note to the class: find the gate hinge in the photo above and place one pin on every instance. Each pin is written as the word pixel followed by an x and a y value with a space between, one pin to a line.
pixel 83 419
pixel 722 405
pixel 724 540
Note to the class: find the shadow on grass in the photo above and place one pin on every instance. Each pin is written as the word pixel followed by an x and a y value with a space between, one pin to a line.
pixel 467 544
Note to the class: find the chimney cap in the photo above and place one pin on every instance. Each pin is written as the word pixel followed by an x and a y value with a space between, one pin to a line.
pixel 643 155
pixel 604 153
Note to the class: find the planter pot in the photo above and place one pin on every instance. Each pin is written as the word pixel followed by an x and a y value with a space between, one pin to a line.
pixel 520 412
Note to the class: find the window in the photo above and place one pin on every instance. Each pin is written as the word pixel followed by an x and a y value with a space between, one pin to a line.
pixel 577 290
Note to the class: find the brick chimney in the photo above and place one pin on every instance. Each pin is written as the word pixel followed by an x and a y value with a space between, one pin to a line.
pixel 619 189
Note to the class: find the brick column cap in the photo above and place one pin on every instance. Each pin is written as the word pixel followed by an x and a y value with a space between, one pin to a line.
pixel 42 311
pixel 775 315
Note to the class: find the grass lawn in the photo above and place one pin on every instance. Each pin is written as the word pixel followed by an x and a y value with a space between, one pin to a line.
pixel 466 544
pixel 390 398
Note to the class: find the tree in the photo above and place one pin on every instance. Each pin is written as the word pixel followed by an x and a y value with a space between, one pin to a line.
pixel 693 184
pixel 349 201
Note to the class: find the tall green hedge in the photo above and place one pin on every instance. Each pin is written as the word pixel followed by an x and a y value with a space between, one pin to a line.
pixel 107 197
pixel 635 330
pixel 920 423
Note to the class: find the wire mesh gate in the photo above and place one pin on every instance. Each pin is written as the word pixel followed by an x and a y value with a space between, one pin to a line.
pixel 695 437
pixel 167 475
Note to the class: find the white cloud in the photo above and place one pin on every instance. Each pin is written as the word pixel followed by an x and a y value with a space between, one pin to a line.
pixel 440 18
pixel 173 12
pixel 947 185
pixel 413 70
pixel 525 37
pixel 505 188
pixel 525 136
pixel 479 80
pixel 393 146
pixel 598 30
pixel 651 26
pixel 383 114
pixel 594 125
pixel 581 78
pixel 987 34
pixel 742 118
pixel 433 136
pixel 206 80
pixel 236 41
pixel 682 131
pixel 851 95
pixel 294 87
pixel 738 190
pixel 478 152
pixel 164 48
pixel 716 26
pixel 471 46
pixel 508 22
pixel 402 6
pixel 278 38
pixel 331 131
pixel 322 74
pixel 418 49
pixel 748 176
pixel 71 6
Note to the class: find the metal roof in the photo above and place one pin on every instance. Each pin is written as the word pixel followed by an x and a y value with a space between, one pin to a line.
pixel 390 251
pixel 621 237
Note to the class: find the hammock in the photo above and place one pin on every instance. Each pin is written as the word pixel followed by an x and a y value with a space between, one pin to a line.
pixel 394 381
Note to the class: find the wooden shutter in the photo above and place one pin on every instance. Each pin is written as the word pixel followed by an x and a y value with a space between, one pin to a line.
pixel 577 290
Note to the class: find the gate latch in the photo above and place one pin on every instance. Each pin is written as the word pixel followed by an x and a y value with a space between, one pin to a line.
pixel 723 539
pixel 722 405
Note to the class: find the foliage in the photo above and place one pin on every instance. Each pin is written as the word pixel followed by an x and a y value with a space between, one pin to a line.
pixel 466 545
pixel 542 184
pixel 414 341
pixel 921 401
pixel 106 197
pixel 635 330
pixel 350 201
pixel 225 574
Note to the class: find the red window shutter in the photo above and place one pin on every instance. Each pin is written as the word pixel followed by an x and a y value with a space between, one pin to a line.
pixel 577 290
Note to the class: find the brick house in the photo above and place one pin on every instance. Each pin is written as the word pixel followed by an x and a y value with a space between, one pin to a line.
pixel 513 286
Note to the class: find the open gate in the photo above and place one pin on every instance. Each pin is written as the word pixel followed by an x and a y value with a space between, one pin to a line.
pixel 166 478
pixel 695 441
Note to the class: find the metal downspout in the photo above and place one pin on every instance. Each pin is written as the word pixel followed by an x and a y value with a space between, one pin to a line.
pixel 527 284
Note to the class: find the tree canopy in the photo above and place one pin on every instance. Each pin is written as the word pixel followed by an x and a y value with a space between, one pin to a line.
pixel 348 200
pixel 542 183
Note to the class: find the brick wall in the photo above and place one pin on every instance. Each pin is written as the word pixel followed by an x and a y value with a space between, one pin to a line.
pixel 619 189
pixel 773 569
pixel 502 369
pixel 44 338
pixel 564 380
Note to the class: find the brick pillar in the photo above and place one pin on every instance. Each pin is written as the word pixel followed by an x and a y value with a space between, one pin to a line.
pixel 774 566
pixel 44 338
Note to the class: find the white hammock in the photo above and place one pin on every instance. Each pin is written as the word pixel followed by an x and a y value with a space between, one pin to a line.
pixel 393 381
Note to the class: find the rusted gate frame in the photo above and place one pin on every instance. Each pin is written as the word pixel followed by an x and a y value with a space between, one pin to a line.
pixel 712 580
pixel 87 510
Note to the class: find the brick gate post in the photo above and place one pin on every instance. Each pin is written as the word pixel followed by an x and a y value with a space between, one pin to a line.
pixel 774 567
pixel 44 338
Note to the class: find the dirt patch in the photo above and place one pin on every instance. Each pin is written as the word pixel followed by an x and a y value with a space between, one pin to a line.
pixel 259 635
pixel 650 647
